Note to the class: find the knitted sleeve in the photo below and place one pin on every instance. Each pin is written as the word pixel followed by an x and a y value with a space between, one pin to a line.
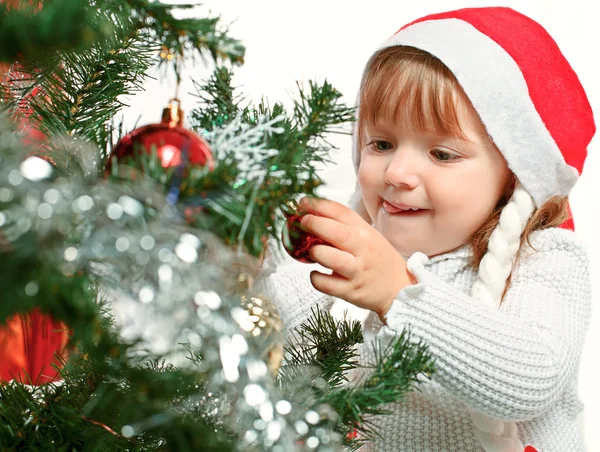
pixel 289 288
pixel 511 363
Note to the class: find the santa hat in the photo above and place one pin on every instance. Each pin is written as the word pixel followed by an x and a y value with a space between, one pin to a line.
pixel 536 112
pixel 524 90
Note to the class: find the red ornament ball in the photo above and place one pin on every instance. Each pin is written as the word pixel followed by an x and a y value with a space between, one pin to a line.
pixel 300 241
pixel 353 434
pixel 173 143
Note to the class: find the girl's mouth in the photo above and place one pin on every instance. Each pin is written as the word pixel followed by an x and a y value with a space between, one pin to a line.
pixel 393 210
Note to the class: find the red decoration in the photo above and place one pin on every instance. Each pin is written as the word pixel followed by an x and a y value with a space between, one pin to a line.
pixel 530 449
pixel 29 344
pixel 300 240
pixel 174 145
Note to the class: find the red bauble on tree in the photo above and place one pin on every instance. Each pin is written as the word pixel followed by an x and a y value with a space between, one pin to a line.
pixel 300 241
pixel 173 144
pixel 31 345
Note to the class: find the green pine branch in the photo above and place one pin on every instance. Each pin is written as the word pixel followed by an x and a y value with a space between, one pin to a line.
pixel 35 30
pixel 398 368
pixel 324 343
pixel 301 146
pixel 77 90
pixel 179 36
pixel 62 25
pixel 218 101
pixel 129 408
pixel 81 93
pixel 325 349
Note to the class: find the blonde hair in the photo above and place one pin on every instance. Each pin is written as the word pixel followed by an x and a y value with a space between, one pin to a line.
pixel 414 86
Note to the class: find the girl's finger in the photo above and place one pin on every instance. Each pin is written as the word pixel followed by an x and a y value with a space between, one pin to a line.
pixel 341 262
pixel 334 285
pixel 331 209
pixel 339 235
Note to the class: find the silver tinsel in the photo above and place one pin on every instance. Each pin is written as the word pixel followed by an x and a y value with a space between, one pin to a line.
pixel 171 285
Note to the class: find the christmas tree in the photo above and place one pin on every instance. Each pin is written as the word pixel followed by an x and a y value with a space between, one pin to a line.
pixel 170 223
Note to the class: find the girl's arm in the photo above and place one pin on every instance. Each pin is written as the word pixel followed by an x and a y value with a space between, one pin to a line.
pixel 512 363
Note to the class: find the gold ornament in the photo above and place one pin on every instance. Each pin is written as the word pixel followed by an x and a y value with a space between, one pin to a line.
pixel 262 313
pixel 268 327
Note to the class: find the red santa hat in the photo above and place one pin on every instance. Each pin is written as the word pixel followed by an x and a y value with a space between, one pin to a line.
pixel 521 85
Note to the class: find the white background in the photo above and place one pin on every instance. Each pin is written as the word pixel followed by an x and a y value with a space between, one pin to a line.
pixel 332 39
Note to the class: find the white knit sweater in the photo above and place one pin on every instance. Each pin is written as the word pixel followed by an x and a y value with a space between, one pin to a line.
pixel 518 363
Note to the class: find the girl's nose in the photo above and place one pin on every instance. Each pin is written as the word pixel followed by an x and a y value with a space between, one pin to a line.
pixel 403 170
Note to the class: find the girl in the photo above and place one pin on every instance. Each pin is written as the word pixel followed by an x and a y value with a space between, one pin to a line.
pixel 472 129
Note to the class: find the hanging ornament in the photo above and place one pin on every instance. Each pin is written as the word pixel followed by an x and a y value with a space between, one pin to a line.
pixel 266 324
pixel 300 241
pixel 174 145
pixel 267 328
pixel 30 345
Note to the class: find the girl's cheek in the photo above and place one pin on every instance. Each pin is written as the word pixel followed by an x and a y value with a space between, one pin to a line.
pixel 368 174
pixel 362 177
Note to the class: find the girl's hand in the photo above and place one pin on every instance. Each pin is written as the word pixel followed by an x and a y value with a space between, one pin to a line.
pixel 367 270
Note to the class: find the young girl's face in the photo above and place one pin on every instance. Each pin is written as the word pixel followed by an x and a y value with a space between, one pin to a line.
pixel 455 184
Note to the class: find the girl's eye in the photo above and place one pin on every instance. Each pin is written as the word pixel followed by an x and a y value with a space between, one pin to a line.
pixel 443 156
pixel 380 145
